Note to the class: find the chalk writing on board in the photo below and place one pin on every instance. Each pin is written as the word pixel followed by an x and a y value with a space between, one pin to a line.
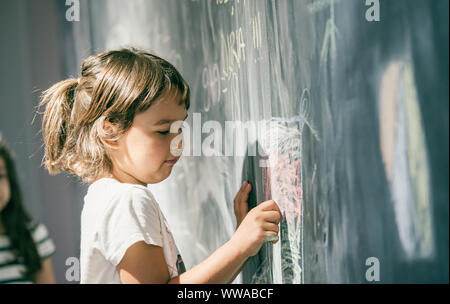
pixel 256 27
pixel 232 51
pixel 329 48
pixel 211 82
pixel 234 5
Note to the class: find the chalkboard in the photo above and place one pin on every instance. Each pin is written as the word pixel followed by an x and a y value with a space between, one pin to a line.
pixel 353 105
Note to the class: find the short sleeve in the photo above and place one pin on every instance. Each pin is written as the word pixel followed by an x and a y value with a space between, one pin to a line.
pixel 44 243
pixel 131 217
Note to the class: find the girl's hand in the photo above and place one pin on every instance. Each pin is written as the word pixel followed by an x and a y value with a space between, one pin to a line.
pixel 259 226
pixel 240 203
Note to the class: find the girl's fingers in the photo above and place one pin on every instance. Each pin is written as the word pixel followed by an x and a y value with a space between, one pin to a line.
pixel 245 193
pixel 244 198
pixel 271 227
pixel 237 199
pixel 240 201
pixel 269 205
pixel 272 216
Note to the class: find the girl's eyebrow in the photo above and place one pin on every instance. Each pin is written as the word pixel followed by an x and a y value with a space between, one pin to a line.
pixel 164 121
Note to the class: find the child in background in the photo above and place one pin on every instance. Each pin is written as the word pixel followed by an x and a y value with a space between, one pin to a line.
pixel 25 247
pixel 113 128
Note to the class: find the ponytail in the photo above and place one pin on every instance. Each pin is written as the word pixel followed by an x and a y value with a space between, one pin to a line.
pixel 58 101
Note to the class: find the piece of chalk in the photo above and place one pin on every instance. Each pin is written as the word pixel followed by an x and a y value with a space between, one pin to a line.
pixel 271 238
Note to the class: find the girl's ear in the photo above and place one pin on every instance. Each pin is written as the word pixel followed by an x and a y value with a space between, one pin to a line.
pixel 107 134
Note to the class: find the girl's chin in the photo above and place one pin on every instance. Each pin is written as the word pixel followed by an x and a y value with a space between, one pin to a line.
pixel 160 178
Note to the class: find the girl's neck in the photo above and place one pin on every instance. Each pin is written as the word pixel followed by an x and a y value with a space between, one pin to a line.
pixel 124 177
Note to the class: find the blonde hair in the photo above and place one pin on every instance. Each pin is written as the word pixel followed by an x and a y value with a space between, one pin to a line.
pixel 114 86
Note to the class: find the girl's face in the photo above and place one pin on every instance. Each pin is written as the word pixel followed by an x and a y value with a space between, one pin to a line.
pixel 142 153
pixel 5 192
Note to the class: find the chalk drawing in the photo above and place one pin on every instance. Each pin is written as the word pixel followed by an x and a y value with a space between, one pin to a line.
pixel 405 159
pixel 282 182
pixel 329 48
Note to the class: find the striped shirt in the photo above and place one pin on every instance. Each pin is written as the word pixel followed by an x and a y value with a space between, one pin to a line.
pixel 11 269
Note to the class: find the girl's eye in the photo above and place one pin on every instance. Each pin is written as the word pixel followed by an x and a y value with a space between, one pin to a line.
pixel 163 132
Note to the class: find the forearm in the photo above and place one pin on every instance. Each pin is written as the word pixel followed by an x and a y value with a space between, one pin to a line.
pixel 237 272
pixel 219 268
pixel 240 266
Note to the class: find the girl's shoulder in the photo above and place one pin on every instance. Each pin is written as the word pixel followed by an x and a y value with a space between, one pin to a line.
pixel 107 193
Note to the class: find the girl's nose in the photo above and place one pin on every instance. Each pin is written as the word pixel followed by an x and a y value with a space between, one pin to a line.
pixel 176 144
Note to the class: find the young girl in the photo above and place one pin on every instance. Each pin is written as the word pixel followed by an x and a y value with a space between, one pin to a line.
pixel 112 127
pixel 25 247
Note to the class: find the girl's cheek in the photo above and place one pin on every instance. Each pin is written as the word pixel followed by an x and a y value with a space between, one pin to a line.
pixel 151 150
pixel 158 144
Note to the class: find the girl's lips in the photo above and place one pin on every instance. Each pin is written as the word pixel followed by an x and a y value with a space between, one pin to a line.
pixel 172 161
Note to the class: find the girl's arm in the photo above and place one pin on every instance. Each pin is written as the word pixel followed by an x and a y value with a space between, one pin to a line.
pixel 143 263
pixel 220 268
pixel 227 261
pixel 241 210
pixel 236 273
pixel 45 275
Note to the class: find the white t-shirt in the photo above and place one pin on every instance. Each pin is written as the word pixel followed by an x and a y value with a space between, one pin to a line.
pixel 115 216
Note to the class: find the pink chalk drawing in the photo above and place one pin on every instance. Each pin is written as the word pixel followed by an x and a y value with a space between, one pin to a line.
pixel 282 183
pixel 282 179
